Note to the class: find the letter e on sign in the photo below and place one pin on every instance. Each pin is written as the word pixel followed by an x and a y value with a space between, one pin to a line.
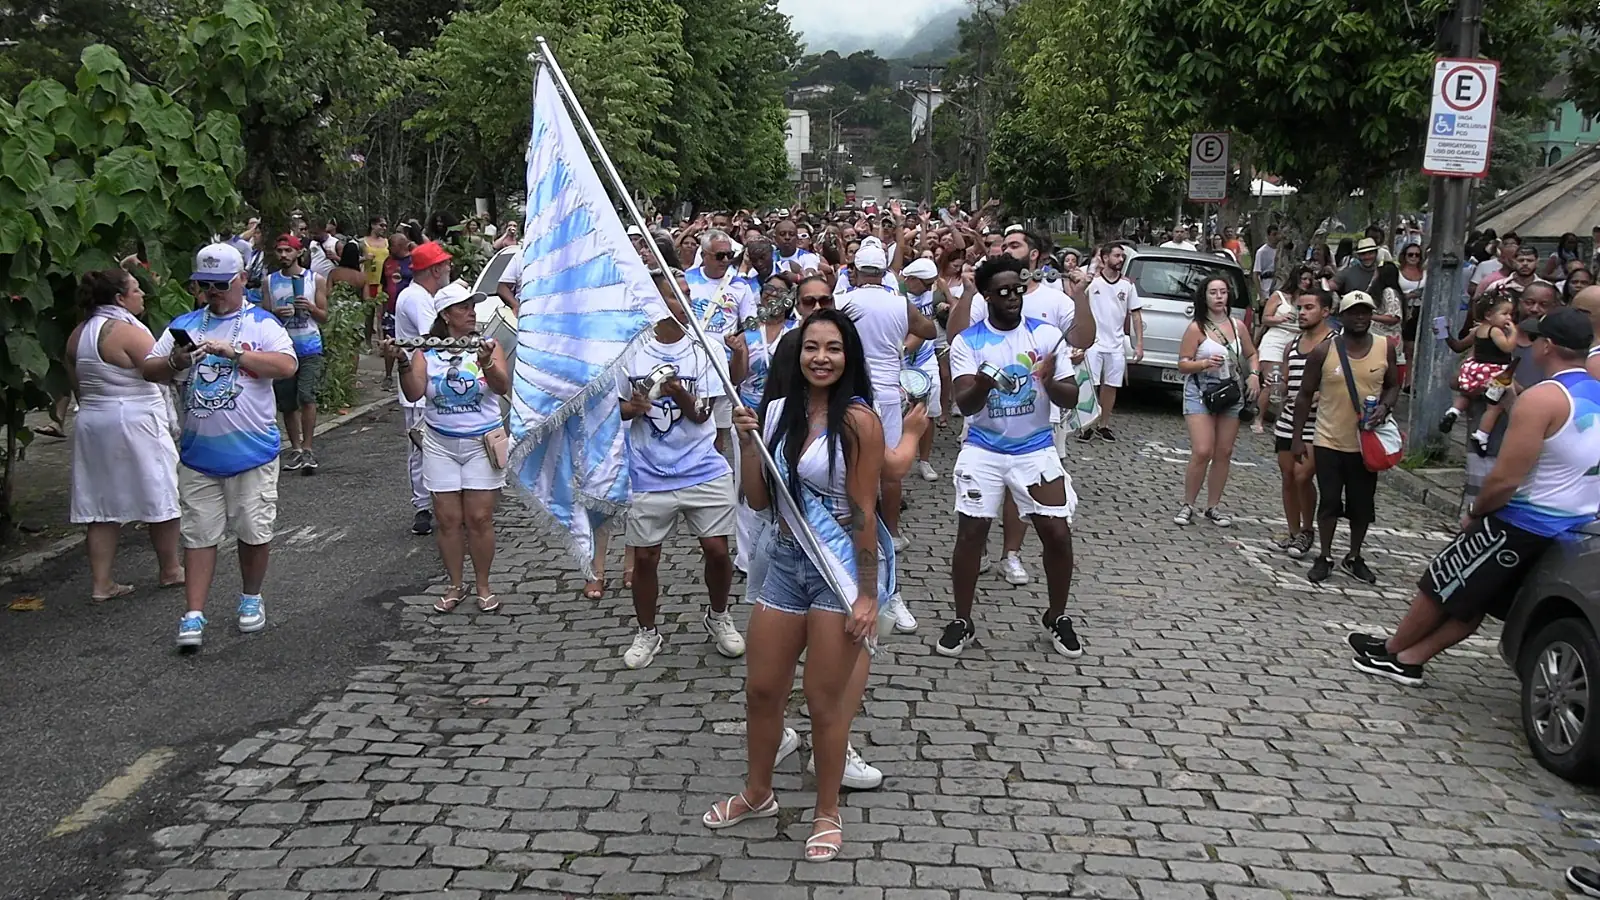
pixel 1461 118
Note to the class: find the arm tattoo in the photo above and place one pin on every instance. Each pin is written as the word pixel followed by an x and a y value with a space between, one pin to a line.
pixel 866 542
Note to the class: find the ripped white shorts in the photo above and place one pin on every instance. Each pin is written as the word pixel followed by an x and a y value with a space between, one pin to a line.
pixel 982 478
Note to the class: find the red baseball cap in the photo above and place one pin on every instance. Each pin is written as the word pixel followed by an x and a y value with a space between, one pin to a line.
pixel 289 239
pixel 428 255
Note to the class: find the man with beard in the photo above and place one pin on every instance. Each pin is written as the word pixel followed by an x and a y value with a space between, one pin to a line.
pixel 1543 487
pixel 1523 273
pixel 1045 301
pixel 1009 446
pixel 1358 274
pixel 1344 484
pixel 721 300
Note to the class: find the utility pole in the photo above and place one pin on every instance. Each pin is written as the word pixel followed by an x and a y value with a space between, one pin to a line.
pixel 927 134
pixel 1451 197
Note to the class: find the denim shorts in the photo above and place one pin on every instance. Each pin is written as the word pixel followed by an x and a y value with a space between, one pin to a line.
pixel 1195 405
pixel 793 585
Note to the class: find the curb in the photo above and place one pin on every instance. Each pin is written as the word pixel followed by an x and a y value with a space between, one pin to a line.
pixel 10 569
pixel 1440 500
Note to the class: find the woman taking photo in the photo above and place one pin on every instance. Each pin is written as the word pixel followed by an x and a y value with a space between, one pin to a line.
pixel 828 444
pixel 124 463
pixel 463 442
pixel 1283 326
pixel 1219 359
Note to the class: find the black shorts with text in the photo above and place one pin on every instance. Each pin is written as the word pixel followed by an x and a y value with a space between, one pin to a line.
pixel 1480 571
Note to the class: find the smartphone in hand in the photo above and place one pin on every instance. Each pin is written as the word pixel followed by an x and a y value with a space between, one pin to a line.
pixel 182 339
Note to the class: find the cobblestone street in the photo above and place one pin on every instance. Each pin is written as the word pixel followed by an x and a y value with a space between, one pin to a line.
pixel 1213 742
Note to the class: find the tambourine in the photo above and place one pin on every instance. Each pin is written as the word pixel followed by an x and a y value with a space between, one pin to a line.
pixel 1037 275
pixel 660 376
pixel 916 384
pixel 1004 382
pixel 470 342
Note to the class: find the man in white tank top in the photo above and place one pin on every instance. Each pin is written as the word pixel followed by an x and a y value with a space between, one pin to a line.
pixel 884 319
pixel 1544 487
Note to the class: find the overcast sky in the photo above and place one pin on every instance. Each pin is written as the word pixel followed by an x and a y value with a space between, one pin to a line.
pixel 828 20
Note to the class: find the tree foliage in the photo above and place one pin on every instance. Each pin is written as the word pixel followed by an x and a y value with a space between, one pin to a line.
pixel 1581 21
pixel 1327 92
pixel 1083 134
pixel 86 175
pixel 860 71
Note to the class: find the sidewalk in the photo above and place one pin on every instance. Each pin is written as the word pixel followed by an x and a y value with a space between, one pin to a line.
pixel 43 486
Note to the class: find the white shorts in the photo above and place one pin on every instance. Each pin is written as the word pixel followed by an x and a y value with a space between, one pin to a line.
pixel 982 478
pixel 722 412
pixel 1107 367
pixel 451 464
pixel 890 413
pixel 708 508
pixel 208 505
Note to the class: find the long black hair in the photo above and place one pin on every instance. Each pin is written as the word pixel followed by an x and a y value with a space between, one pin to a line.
pixel 1387 276
pixel 794 420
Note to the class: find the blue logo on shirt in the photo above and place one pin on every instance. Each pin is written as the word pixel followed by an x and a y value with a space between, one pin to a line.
pixel 457 389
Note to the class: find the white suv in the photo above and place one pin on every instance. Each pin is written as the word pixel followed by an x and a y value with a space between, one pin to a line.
pixel 1167 281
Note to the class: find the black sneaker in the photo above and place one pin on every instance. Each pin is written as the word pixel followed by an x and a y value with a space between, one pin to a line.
pixel 1449 421
pixel 1356 568
pixel 308 463
pixel 1086 435
pixel 1584 881
pixel 1106 435
pixel 1386 666
pixel 1063 637
pixel 957 635
pixel 1367 645
pixel 1320 570
pixel 422 523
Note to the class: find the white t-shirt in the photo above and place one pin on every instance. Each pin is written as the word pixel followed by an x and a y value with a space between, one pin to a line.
pixel 720 309
pixel 230 418
pixel 668 451
pixel 1486 270
pixel 842 286
pixel 809 262
pixel 1047 303
pixel 1111 302
pixel 883 322
pixel 324 256
pixel 413 318
pixel 1017 422
pixel 1266 265
pixel 1179 245
pixel 458 400
pixel 924 353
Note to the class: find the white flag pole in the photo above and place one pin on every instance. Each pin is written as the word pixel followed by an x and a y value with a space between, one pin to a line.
pixel 805 535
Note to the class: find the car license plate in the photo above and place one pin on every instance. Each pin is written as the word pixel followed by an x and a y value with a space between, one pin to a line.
pixel 1171 376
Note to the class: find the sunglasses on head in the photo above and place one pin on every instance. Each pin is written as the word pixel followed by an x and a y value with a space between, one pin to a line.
pixel 213 285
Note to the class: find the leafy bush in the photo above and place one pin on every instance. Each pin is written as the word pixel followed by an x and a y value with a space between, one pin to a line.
pixel 343 336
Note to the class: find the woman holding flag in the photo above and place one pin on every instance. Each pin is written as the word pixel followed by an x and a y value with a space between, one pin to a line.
pixel 829 446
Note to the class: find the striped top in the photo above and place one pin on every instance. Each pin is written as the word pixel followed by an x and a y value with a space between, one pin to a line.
pixel 1284 427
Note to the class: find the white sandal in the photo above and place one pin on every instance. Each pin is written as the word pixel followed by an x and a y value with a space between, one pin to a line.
pixel 719 815
pixel 829 851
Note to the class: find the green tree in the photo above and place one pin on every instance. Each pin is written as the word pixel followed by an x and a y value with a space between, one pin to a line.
pixel 1581 23
pixel 85 176
pixel 1328 93
pixel 1084 135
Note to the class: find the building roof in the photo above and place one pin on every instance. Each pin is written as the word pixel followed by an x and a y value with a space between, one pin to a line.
pixel 1562 198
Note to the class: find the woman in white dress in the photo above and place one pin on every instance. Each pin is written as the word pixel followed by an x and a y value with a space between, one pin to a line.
pixel 1283 328
pixel 124 463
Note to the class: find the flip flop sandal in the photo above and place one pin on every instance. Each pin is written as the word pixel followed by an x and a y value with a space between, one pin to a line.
pixel 595 589
pixel 717 817
pixel 488 604
pixel 451 599
pixel 117 590
pixel 170 585
pixel 827 852
pixel 53 431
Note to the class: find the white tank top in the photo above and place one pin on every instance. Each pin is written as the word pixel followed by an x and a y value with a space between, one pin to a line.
pixel 1564 484
pixel 457 399
pixel 813 465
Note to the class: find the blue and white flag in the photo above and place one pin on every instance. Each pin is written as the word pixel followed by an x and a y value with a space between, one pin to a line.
pixel 584 298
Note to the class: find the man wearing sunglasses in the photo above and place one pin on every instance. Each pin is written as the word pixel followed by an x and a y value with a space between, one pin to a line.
pixel 228 452
pixel 722 301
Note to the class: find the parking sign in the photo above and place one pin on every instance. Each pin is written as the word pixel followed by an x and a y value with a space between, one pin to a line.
pixel 1461 118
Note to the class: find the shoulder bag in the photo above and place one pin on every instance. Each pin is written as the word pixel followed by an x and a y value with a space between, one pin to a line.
pixel 1221 397
pixel 1382 445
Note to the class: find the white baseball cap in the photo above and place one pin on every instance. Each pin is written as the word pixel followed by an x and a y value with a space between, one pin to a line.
pixel 921 267
pixel 871 258
pixel 217 262
pixel 453 293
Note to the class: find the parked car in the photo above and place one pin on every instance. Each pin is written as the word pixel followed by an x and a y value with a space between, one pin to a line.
pixel 887 182
pixel 1167 280
pixel 1549 640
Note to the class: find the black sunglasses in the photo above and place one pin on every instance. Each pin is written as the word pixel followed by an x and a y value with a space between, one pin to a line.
pixel 723 255
pixel 212 285
pixel 819 299
pixel 1011 291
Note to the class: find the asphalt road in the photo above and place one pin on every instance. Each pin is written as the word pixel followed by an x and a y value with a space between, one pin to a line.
pixel 90 689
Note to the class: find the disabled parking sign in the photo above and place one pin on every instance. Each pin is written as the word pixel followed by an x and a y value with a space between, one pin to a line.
pixel 1461 117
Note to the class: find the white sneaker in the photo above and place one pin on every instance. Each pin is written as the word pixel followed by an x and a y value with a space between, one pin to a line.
pixel 926 470
pixel 904 621
pixel 789 744
pixel 858 774
pixel 1011 569
pixel 984 564
pixel 646 644
pixel 901 543
pixel 721 628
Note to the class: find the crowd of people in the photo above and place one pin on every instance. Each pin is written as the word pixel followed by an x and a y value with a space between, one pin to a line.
pixel 842 344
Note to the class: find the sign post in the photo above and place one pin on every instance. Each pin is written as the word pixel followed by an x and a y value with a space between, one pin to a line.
pixel 1461 118
pixel 1208 167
